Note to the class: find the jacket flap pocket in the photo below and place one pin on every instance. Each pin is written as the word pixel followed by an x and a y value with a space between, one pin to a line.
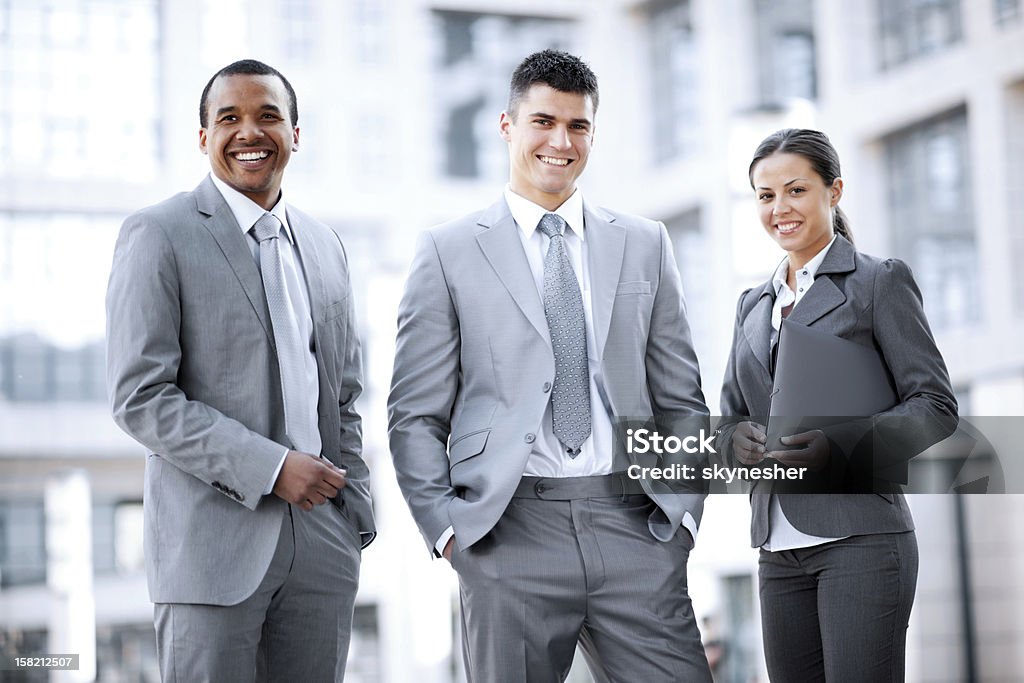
pixel 638 287
pixel 468 445
pixel 336 309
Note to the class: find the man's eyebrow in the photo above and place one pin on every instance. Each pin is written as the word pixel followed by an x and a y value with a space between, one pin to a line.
pixel 266 107
pixel 549 117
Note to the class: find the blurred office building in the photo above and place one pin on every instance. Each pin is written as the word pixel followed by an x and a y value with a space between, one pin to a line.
pixel 398 109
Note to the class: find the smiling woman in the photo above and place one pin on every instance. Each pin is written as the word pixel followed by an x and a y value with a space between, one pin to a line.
pixel 838 570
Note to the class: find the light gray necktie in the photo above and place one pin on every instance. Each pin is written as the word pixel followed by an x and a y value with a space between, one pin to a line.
pixel 286 334
pixel 563 307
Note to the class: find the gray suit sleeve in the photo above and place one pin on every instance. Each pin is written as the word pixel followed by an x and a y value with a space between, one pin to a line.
pixel 878 447
pixel 351 438
pixel 673 375
pixel 423 390
pixel 733 407
pixel 927 411
pixel 144 354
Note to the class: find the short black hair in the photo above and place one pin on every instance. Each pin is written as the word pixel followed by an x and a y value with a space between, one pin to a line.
pixel 560 70
pixel 249 67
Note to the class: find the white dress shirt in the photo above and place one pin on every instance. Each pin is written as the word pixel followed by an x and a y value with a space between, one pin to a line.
pixel 246 213
pixel 782 535
pixel 548 457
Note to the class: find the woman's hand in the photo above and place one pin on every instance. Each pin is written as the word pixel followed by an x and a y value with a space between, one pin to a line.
pixel 814 454
pixel 748 443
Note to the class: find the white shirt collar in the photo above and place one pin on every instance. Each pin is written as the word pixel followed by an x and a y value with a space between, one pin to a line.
pixel 810 269
pixel 247 212
pixel 527 214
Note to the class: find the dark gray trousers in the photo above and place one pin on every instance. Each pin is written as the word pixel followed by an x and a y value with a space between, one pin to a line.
pixel 295 627
pixel 559 569
pixel 838 612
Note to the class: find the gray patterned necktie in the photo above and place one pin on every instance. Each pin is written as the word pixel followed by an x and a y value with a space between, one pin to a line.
pixel 286 334
pixel 563 307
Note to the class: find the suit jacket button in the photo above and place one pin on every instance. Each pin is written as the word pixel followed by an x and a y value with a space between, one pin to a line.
pixel 530 438
pixel 546 387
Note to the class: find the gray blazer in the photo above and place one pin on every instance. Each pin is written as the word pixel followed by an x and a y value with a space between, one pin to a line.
pixel 192 375
pixel 473 362
pixel 872 302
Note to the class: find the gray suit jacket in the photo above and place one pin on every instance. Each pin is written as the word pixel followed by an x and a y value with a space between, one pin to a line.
pixel 872 302
pixel 193 376
pixel 474 360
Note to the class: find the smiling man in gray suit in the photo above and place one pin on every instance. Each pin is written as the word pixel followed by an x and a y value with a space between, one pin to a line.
pixel 526 333
pixel 233 358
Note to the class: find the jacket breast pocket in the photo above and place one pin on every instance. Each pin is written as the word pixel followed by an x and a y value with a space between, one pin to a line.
pixel 635 287
pixel 336 310
pixel 468 445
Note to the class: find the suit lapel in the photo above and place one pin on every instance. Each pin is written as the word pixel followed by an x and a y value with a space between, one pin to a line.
pixel 221 223
pixel 606 244
pixel 305 244
pixel 757 327
pixel 824 295
pixel 503 249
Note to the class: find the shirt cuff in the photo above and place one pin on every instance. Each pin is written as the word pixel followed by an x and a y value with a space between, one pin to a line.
pixel 446 536
pixel 277 472
pixel 690 524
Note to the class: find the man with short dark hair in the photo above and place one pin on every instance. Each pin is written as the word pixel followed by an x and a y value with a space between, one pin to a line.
pixel 527 334
pixel 232 356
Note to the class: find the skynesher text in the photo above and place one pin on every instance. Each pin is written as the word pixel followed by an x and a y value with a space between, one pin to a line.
pixel 716 473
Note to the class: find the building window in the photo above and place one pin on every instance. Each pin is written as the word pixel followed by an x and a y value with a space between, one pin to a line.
pixel 364 651
pixel 690 244
pixel 909 29
pixel 300 29
pixel 370 37
pixel 22 543
pixel 785 51
pixel 51 333
pixel 475 56
pixel 738 633
pixel 675 99
pixel 58 63
pixel 1014 141
pixel 1007 11
pixel 930 202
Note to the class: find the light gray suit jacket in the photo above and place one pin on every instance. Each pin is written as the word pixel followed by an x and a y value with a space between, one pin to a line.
pixel 473 363
pixel 193 376
pixel 875 303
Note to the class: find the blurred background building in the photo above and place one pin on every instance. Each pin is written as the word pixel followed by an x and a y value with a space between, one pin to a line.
pixel 399 103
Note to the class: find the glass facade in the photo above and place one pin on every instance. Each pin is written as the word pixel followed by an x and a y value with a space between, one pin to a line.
pixel 785 51
pixel 931 205
pixel 675 100
pixel 474 56
pixel 909 29
pixel 80 88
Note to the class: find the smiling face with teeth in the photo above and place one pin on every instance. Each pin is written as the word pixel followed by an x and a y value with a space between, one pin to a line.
pixel 249 135
pixel 549 138
pixel 795 205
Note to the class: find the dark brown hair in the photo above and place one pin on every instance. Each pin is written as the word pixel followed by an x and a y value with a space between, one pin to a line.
pixel 814 146
pixel 559 70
